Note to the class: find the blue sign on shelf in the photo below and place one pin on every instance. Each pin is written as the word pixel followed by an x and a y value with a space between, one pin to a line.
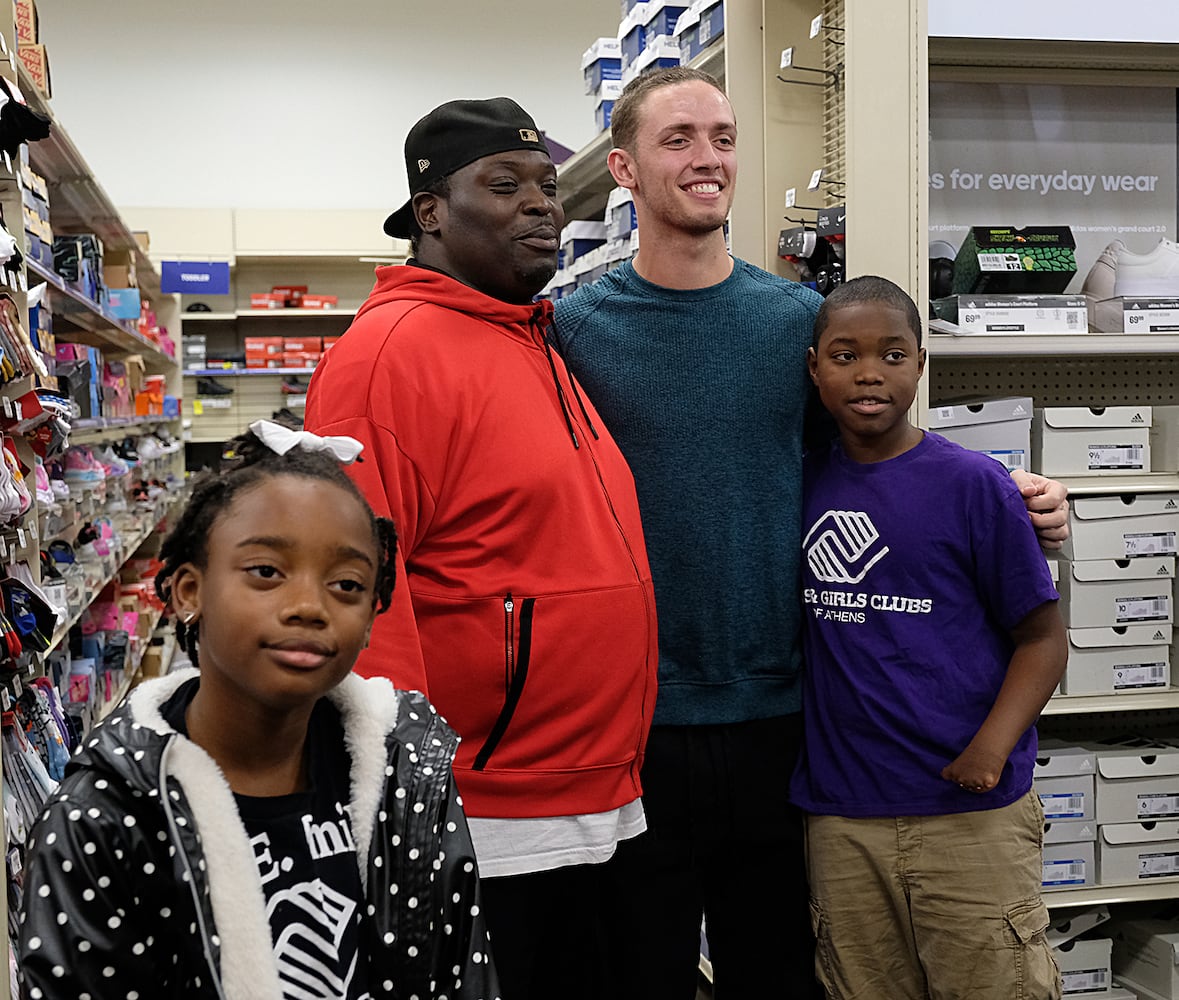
pixel 191 278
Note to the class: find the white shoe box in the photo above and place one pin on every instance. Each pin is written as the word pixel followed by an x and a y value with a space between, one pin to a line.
pixel 1104 593
pixel 1085 966
pixel 1122 526
pixel 1146 957
pixel 1164 439
pixel 1137 852
pixel 1074 923
pixel 1069 865
pixel 1056 759
pixel 1069 856
pixel 1137 781
pixel 1088 441
pixel 1000 428
pixel 1121 660
pixel 1068 797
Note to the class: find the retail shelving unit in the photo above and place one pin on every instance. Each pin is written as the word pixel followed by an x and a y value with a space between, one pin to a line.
pixel 78 203
pixel 257 392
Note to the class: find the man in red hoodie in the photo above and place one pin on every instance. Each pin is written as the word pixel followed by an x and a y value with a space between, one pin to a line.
pixel 528 614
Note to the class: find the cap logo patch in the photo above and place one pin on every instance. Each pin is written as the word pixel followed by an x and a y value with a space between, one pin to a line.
pixel 527 135
pixel 423 166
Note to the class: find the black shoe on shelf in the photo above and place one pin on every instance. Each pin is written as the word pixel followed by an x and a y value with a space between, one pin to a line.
pixel 287 419
pixel 211 387
pixel 291 386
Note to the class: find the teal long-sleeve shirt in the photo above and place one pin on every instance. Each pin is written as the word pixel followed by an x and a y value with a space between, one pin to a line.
pixel 705 391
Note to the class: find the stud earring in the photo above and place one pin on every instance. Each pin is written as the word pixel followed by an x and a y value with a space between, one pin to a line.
pixel 190 618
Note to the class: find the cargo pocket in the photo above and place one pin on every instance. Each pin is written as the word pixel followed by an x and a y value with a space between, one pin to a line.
pixel 1037 975
pixel 824 957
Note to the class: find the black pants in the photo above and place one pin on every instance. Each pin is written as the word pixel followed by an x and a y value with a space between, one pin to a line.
pixel 548 933
pixel 721 843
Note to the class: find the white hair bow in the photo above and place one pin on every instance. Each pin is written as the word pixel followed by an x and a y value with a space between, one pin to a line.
pixel 280 440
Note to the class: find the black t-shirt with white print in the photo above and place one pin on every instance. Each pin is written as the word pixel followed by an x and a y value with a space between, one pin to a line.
pixel 307 862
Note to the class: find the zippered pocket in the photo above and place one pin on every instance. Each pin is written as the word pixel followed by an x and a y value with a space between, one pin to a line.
pixel 517 653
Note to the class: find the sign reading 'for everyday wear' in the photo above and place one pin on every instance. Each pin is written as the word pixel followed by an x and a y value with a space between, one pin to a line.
pixel 191 278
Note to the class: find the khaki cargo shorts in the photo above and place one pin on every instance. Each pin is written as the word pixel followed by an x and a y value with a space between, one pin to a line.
pixel 932 907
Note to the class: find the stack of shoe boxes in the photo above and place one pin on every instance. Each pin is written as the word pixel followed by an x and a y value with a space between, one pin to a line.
pixel 35 212
pixel 698 27
pixel 621 227
pixel 660 47
pixel 601 67
pixel 1117 582
pixel 582 254
pixel 29 48
pixel 1137 811
pixel 1064 778
pixel 301 352
pixel 77 257
pixel 647 39
pixel 1082 946
pixel 1111 812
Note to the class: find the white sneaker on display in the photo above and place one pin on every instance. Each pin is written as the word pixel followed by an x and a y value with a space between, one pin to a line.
pixel 1102 277
pixel 1105 315
pixel 1153 273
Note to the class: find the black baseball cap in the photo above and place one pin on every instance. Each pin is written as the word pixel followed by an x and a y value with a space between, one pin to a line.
pixel 455 134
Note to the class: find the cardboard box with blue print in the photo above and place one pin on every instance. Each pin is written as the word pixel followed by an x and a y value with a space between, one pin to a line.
pixel 123 303
pixel 1068 865
pixel 1064 780
pixel 600 62
pixel 632 35
pixel 1000 428
pixel 606 95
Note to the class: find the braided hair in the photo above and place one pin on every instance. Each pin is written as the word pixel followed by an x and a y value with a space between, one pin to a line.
pixel 249 463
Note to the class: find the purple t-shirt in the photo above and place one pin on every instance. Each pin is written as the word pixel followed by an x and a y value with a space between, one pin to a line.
pixel 914 572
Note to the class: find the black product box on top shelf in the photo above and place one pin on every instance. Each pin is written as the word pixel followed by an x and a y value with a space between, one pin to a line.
pixel 1004 259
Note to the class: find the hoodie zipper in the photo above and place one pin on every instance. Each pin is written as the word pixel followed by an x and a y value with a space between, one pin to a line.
pixel 517 654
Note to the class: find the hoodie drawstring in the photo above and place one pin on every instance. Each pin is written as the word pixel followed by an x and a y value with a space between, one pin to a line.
pixel 542 321
pixel 548 353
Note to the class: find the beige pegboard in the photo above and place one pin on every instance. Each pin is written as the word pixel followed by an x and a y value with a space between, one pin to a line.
pixel 1060 381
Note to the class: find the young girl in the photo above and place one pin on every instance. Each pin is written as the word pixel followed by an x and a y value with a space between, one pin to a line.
pixel 274 826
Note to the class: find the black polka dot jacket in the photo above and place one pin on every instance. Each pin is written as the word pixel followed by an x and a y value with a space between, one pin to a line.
pixel 141 882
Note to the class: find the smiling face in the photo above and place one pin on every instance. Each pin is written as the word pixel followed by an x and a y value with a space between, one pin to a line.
pixel 866 366
pixel 285 600
pixel 683 164
pixel 498 227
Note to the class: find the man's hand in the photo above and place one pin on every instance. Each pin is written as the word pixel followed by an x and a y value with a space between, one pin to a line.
pixel 1047 503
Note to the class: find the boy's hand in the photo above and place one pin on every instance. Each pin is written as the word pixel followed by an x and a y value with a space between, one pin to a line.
pixel 975 770
pixel 1047 503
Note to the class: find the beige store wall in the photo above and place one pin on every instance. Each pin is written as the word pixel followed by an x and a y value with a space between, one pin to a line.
pixel 273 104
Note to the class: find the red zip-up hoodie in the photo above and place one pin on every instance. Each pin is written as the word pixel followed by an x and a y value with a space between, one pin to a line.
pixel 529 614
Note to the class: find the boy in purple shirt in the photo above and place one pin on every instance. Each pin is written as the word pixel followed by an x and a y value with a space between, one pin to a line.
pixel 932 643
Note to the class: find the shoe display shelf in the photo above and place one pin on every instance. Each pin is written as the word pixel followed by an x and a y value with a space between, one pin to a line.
pixel 79 204
pixel 222 395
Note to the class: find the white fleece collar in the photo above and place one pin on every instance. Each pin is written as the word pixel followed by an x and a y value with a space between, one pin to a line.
pixel 368 712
